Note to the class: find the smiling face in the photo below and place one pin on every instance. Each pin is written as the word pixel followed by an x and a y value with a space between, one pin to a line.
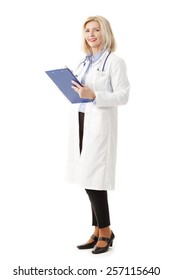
pixel 93 36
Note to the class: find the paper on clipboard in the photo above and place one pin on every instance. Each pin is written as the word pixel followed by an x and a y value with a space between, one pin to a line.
pixel 62 78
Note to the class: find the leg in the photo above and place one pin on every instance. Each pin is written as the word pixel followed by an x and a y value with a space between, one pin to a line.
pixel 99 203
pixel 91 241
pixel 101 218
pixel 100 208
pixel 81 126
pixel 96 228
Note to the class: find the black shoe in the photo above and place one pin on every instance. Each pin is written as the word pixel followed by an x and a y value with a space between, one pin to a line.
pixel 100 250
pixel 89 245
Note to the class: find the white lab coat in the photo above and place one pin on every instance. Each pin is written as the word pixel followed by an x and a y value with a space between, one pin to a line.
pixel 95 167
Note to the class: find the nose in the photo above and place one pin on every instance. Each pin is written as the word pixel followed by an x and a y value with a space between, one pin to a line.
pixel 91 33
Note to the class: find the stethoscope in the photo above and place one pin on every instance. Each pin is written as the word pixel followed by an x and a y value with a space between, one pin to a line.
pixel 102 72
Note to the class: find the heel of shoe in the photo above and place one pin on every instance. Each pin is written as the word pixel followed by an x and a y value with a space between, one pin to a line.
pixel 111 240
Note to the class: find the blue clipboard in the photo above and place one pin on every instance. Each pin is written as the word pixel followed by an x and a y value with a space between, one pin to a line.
pixel 62 78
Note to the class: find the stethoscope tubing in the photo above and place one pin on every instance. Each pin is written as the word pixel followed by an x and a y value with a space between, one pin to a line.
pixel 103 66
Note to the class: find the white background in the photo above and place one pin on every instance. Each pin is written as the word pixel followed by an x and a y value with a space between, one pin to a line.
pixel 42 217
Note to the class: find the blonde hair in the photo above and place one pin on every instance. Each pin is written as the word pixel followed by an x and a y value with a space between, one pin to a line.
pixel 109 40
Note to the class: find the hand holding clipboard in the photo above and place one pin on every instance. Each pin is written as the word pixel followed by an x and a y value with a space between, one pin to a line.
pixel 62 78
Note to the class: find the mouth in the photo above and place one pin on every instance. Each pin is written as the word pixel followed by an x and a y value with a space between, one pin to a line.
pixel 92 39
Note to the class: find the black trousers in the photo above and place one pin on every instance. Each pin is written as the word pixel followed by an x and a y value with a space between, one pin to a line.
pixel 98 199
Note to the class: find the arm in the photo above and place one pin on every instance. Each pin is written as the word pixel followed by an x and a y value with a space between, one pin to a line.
pixel 120 87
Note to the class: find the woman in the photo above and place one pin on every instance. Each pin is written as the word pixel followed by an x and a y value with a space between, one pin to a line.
pixel 93 133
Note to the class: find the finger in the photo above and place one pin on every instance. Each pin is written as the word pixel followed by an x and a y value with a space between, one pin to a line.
pixel 75 89
pixel 76 84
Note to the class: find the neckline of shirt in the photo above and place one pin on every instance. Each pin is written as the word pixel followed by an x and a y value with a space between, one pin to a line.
pixel 92 58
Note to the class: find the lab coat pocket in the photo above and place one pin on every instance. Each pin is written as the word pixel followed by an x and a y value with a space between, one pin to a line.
pixel 99 122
